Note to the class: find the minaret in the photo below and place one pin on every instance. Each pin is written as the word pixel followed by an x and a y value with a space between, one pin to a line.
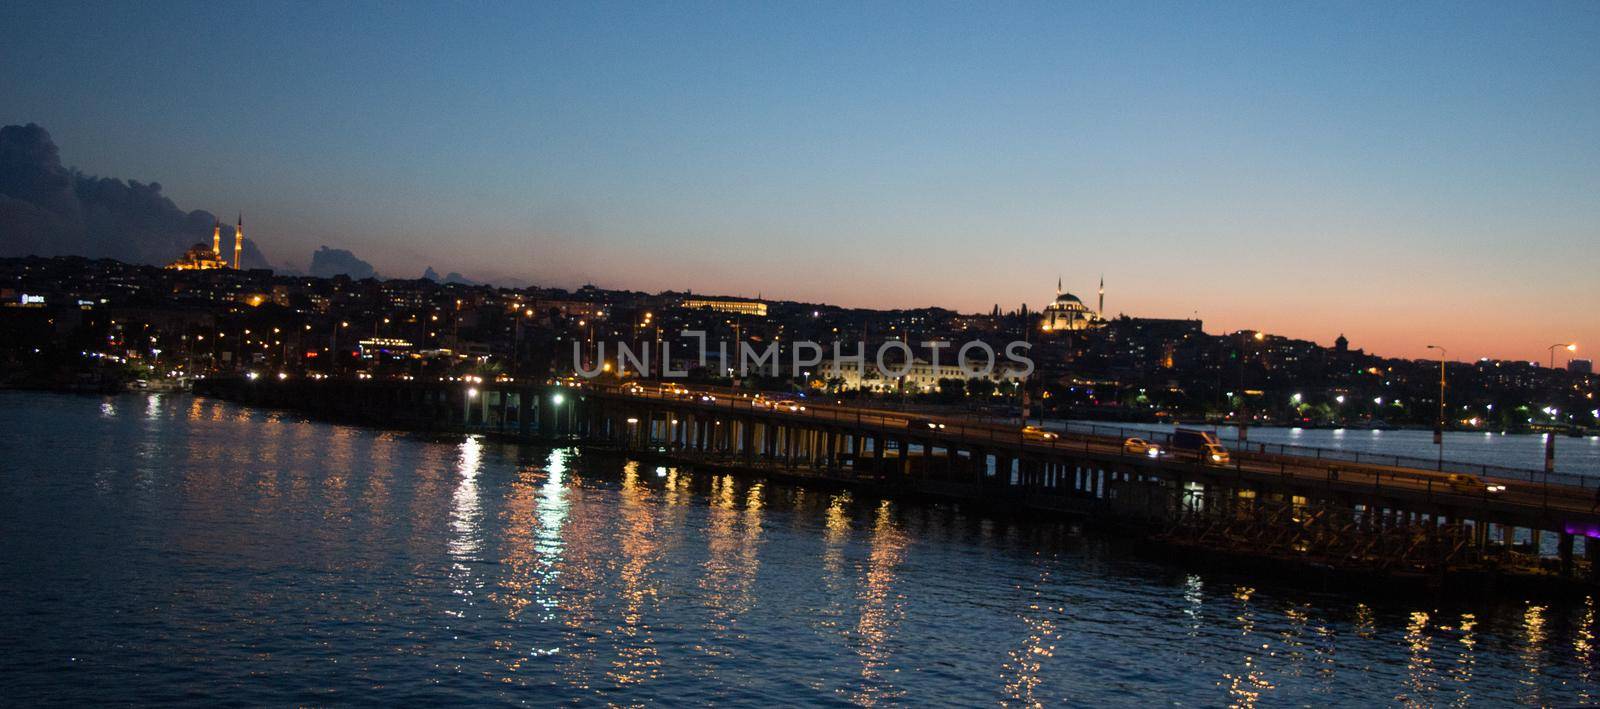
pixel 216 239
pixel 1058 286
pixel 1102 309
pixel 238 240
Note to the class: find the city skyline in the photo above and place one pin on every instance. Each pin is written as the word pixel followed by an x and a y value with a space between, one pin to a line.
pixel 1408 177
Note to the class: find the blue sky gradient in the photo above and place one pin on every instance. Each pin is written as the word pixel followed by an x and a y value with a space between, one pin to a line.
pixel 1403 173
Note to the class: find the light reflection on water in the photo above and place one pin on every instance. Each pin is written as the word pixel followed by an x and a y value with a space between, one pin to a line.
pixel 171 549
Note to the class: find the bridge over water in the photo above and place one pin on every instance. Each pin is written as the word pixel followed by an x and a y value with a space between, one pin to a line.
pixel 1336 514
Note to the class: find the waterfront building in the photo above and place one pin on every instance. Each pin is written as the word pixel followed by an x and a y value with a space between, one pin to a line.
pixel 375 347
pixel 920 375
pixel 567 308
pixel 720 305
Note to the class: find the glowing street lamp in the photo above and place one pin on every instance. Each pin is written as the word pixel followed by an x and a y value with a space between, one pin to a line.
pixel 1438 431
pixel 1569 346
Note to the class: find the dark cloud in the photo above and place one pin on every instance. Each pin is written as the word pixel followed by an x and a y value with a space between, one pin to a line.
pixel 452 277
pixel 48 210
pixel 327 263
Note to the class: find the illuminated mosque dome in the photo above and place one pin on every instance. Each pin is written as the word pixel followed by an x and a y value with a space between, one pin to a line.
pixel 1069 313
pixel 201 258
pixel 198 258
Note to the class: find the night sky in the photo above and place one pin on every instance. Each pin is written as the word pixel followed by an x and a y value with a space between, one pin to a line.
pixel 1404 173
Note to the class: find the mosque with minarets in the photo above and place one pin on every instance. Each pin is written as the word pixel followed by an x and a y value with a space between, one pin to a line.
pixel 1067 313
pixel 200 258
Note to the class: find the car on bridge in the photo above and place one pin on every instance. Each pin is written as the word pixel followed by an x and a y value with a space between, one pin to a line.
pixel 1034 433
pixel 788 405
pixel 1199 446
pixel 1462 482
pixel 1140 446
pixel 1213 454
pixel 919 424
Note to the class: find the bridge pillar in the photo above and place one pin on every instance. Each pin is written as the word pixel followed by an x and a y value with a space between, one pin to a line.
pixel 1591 549
pixel 1564 549
pixel 525 412
pixel 903 463
pixel 877 454
pixel 747 439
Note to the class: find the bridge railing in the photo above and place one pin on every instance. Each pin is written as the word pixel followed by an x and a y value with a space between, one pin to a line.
pixel 1311 453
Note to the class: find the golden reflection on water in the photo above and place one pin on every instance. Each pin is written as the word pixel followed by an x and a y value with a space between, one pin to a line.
pixel 637 659
pixel 1366 622
pixel 1583 648
pixel 1194 603
pixel 583 552
pixel 676 487
pixel 837 581
pixel 465 512
pixel 1534 636
pixel 1023 672
pixel 1246 686
pixel 551 510
pixel 352 454
pixel 882 607
pixel 1419 682
pixel 520 517
pixel 375 493
pixel 838 527
pixel 1466 658
pixel 1305 645
pixel 733 542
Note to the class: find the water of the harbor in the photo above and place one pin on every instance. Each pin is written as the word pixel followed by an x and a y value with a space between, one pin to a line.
pixel 173 549
pixel 1578 455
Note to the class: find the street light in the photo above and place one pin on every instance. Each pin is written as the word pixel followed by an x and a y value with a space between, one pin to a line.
pixel 1438 431
pixel 1570 347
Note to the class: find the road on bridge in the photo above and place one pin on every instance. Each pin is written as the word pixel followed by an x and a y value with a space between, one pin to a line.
pixel 1468 491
